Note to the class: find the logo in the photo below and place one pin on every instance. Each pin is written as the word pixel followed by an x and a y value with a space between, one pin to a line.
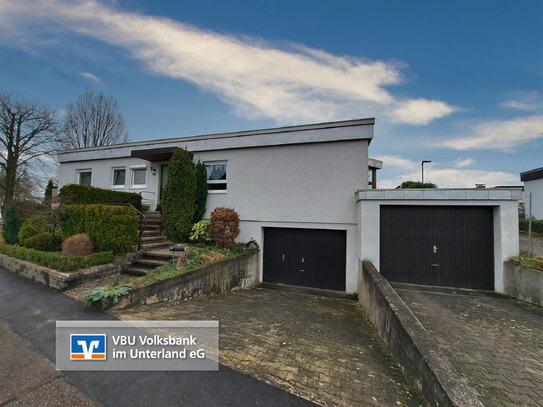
pixel 87 347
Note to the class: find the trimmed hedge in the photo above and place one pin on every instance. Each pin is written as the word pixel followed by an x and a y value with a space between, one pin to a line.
pixel 33 226
pixel 111 228
pixel 56 261
pixel 46 242
pixel 537 225
pixel 82 194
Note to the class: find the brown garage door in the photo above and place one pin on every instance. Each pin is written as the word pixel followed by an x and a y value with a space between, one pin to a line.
pixel 450 246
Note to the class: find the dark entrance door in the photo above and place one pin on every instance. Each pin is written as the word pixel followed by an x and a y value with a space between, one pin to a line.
pixel 306 257
pixel 450 246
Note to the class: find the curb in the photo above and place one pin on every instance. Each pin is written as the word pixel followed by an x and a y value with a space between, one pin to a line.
pixel 420 357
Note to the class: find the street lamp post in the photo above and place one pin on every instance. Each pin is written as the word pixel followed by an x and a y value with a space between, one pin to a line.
pixel 422 167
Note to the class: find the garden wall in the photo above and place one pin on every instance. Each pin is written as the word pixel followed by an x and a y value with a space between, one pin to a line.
pixel 240 272
pixel 523 283
pixel 53 278
pixel 419 355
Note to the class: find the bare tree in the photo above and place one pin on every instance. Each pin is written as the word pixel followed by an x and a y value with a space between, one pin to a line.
pixel 28 132
pixel 93 121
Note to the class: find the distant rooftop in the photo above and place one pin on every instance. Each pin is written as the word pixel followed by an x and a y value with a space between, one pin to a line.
pixel 531 175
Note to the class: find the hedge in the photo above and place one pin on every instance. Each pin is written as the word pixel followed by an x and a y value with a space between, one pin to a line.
pixel 56 261
pixel 82 194
pixel 537 225
pixel 33 226
pixel 111 228
pixel 12 224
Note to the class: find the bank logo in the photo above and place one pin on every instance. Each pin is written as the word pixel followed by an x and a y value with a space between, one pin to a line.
pixel 87 347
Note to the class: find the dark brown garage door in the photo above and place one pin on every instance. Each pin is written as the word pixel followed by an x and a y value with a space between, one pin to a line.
pixel 450 246
pixel 306 257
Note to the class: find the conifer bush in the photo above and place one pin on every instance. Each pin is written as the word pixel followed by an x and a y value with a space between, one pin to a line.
pixel 178 201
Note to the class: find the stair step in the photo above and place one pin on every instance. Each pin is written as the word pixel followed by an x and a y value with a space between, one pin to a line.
pixel 151 227
pixel 145 246
pixel 157 256
pixel 136 271
pixel 147 233
pixel 147 263
pixel 157 238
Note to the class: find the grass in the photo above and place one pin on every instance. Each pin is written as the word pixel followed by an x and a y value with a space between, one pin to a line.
pixel 530 260
pixel 54 260
pixel 194 261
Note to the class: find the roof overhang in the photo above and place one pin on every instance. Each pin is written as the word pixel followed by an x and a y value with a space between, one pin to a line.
pixel 373 163
pixel 154 154
pixel 531 175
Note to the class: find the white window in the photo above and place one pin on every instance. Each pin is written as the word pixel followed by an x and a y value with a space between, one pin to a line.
pixel 139 177
pixel 216 176
pixel 84 177
pixel 119 178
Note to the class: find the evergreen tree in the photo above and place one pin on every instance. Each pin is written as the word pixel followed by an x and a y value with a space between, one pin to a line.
pixel 201 192
pixel 178 202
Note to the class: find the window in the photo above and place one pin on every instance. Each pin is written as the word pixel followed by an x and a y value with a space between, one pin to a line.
pixel 139 177
pixel 84 177
pixel 119 177
pixel 216 177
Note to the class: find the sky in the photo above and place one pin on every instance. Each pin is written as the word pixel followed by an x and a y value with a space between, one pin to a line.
pixel 459 83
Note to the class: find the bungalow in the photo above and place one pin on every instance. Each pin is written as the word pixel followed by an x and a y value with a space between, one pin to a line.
pixel 307 194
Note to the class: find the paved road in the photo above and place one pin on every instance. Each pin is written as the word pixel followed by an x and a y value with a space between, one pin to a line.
pixel 537 244
pixel 30 310
pixel 495 342
pixel 323 349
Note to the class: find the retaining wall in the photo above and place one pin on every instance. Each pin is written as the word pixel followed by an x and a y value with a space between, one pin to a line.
pixel 523 283
pixel 240 272
pixel 427 368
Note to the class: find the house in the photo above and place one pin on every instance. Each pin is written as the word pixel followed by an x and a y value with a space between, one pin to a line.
pixel 533 185
pixel 308 195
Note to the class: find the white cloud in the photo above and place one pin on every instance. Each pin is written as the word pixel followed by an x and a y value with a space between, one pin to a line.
pixel 528 101
pixel 505 135
pixel 257 79
pixel 444 177
pixel 466 162
pixel 92 77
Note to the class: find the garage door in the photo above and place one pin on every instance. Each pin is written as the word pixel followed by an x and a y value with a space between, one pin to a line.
pixel 450 246
pixel 305 257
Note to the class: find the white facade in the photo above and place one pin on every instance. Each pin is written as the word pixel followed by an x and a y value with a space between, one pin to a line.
pixel 301 177
pixel 505 208
pixel 535 188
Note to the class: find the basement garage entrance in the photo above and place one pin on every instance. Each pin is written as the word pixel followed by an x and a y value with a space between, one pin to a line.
pixel 450 246
pixel 305 257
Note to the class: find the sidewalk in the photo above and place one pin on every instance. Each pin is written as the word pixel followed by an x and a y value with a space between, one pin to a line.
pixel 30 310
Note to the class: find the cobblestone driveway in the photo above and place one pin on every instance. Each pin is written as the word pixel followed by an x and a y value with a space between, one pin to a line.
pixel 324 350
pixel 495 342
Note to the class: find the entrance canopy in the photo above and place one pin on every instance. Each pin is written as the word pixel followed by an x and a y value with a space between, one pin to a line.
pixel 154 154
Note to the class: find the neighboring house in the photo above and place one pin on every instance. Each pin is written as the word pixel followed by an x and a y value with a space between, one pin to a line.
pixel 533 184
pixel 308 195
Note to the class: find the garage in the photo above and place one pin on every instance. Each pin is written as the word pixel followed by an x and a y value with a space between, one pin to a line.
pixel 305 257
pixel 450 246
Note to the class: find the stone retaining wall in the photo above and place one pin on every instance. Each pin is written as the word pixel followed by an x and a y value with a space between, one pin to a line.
pixel 523 283
pixel 240 272
pixel 419 355
pixel 53 278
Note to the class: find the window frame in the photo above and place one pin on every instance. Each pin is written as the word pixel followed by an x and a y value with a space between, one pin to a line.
pixel 78 173
pixel 113 169
pixel 218 181
pixel 132 174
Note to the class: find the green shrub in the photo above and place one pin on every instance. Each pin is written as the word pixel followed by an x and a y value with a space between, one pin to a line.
pixel 104 293
pixel 178 203
pixel 82 194
pixel 32 226
pixel 201 191
pixel 54 260
pixel 537 225
pixel 12 224
pixel 45 241
pixel 417 184
pixel 200 231
pixel 110 227
pixel 48 192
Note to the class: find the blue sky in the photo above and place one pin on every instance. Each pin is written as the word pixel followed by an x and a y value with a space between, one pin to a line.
pixel 459 83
